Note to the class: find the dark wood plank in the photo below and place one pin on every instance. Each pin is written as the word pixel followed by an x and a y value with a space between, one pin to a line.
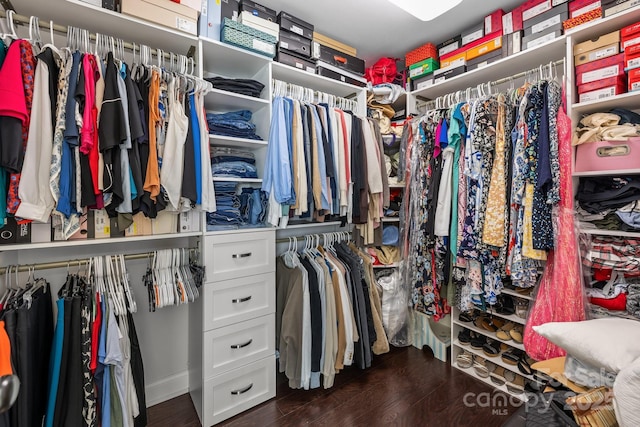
pixel 405 387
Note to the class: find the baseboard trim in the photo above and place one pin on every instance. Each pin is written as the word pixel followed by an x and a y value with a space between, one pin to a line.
pixel 167 388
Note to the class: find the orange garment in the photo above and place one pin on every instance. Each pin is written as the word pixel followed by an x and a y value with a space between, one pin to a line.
pixel 152 180
pixel 5 352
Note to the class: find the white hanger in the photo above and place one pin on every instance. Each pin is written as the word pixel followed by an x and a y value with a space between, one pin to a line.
pixel 10 26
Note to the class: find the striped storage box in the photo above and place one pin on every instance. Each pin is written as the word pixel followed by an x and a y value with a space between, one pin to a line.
pixel 243 36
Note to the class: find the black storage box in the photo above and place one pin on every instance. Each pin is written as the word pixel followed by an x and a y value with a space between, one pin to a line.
pixel 295 25
pixel 335 73
pixel 450 73
pixel 258 10
pixel 289 58
pixel 454 43
pixel 338 59
pixel 294 43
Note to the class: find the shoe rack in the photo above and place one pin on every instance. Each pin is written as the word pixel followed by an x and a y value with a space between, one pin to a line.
pixel 499 371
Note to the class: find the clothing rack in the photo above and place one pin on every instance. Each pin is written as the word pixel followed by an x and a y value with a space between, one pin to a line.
pixel 445 101
pixel 62 264
pixel 324 236
pixel 303 94
pixel 13 17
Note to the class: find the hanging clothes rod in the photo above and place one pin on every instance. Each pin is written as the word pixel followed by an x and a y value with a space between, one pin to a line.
pixel 63 264
pixel 534 72
pixel 301 93
pixel 63 29
pixel 322 235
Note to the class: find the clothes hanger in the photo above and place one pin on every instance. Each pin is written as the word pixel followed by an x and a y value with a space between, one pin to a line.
pixel 34 34
pixel 9 37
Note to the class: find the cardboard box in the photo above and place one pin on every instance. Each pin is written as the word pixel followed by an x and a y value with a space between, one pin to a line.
pixel 596 43
pixel 295 25
pixel 98 224
pixel 193 4
pixel 449 73
pixel 613 7
pixel 580 7
pixel 495 43
pixel 535 40
pixel 256 9
pixel 163 12
pixel 600 69
pixel 488 58
pixel 512 21
pixel 41 232
pixel 600 94
pixel 333 72
pixel 339 46
pixel 550 19
pixel 338 59
pixel 213 13
pixel 141 226
pixel 165 223
pixel 555 3
pixel 449 46
pixel 634 79
pixel 259 24
pixel 602 83
pixel 423 68
pixel 13 233
pixel 453 61
pixel 515 42
pixel 236 34
pixel 533 8
pixel 427 50
pixel 631 61
pixel 289 58
pixel 294 43
pixel 83 232
pixel 493 22
pixel 189 221
pixel 422 82
pixel 472 34
pixel 600 53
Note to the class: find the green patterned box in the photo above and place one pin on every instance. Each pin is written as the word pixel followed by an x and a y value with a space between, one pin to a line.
pixel 243 36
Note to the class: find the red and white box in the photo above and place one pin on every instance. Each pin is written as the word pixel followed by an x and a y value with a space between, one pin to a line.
pixel 608 155
pixel 634 79
pixel 600 94
pixel 512 21
pixel 193 4
pixel 533 8
pixel 611 66
pixel 632 60
pixel 580 7
pixel 493 22
pixel 602 83
pixel 630 35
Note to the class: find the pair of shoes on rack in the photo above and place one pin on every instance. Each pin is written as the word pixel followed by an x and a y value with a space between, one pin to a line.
pixel 510 331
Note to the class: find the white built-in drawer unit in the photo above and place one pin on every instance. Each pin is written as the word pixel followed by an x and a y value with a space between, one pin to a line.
pixel 238 390
pixel 236 300
pixel 237 345
pixel 230 256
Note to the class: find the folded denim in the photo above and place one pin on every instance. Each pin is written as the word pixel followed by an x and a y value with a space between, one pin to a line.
pixel 225 187
pixel 231 152
pixel 225 159
pixel 231 125
pixel 243 86
pixel 234 169
pixel 252 206
pixel 243 115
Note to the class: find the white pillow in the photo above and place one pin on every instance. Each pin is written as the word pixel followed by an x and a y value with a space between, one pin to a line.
pixel 612 343
pixel 626 399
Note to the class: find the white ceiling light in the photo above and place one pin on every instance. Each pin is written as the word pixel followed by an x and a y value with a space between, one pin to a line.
pixel 426 10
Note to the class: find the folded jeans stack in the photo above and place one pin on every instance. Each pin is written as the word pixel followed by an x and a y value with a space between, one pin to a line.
pixel 253 206
pixel 227 206
pixel 242 86
pixel 235 124
pixel 233 163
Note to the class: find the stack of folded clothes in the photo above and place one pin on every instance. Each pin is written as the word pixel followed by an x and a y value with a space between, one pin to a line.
pixel 235 123
pixel 227 206
pixel 633 300
pixel 611 203
pixel 242 86
pixel 233 163
pixel 235 210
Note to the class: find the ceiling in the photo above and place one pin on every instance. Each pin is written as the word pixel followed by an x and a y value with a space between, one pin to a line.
pixel 377 28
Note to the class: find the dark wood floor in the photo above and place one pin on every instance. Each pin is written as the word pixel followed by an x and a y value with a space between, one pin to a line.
pixel 406 387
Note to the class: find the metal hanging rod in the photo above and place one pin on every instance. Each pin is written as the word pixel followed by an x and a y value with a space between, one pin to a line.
pixel 534 72
pixel 301 238
pixel 62 29
pixel 282 88
pixel 63 264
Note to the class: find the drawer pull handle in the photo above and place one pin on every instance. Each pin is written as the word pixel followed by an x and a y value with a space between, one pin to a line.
pixel 245 255
pixel 242 390
pixel 237 346
pixel 239 300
